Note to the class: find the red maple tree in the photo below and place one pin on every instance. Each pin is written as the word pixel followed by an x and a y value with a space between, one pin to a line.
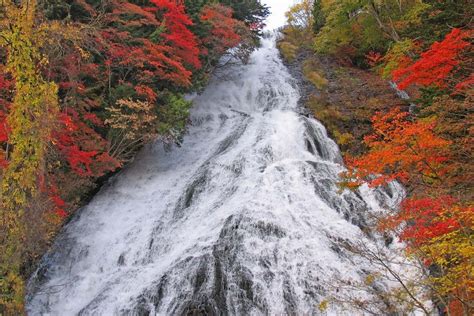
pixel 436 64
pixel 400 149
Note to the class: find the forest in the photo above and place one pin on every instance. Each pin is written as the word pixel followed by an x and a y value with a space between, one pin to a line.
pixel 84 84
pixel 425 142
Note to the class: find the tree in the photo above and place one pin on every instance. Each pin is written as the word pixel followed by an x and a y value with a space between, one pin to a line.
pixel 6 85
pixel 30 122
pixel 337 31
pixel 252 12
pixel 83 85
pixel 301 16
pixel 299 28
pixel 439 18
pixel 366 25
pixel 439 231
pixel 436 64
pixel 225 33
pixel 319 17
pixel 177 35
pixel 425 46
pixel 134 122
pixel 401 149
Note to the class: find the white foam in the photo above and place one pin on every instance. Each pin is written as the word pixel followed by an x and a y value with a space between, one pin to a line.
pixel 245 157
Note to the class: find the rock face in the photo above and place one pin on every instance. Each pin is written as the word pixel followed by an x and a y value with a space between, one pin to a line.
pixel 244 219
pixel 350 97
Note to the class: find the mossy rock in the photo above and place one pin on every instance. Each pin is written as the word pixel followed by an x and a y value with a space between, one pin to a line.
pixel 288 50
pixel 317 80
pixel 313 74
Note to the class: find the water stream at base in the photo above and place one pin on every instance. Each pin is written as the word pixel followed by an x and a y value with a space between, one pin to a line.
pixel 242 219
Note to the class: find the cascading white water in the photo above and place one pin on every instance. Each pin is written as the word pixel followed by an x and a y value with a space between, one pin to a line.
pixel 242 219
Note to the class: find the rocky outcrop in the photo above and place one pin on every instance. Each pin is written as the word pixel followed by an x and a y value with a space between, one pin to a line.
pixel 347 101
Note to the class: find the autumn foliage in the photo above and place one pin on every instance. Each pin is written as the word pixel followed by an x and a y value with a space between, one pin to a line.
pixel 401 149
pixel 423 140
pixel 429 150
pixel 437 64
pixel 224 29
pixel 439 230
pixel 83 86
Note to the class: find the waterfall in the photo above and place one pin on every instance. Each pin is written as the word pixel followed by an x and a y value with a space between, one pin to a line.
pixel 242 219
